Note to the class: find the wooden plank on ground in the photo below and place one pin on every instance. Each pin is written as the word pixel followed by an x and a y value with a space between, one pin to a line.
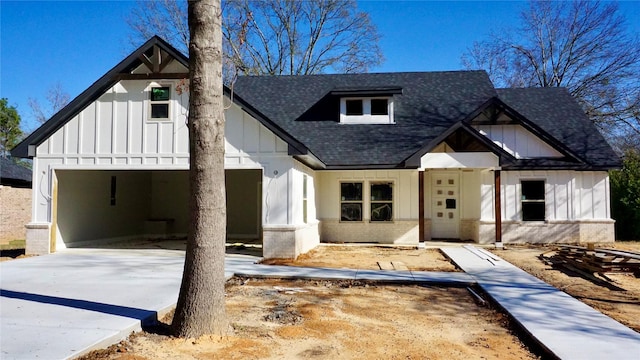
pixel 399 265
pixel 385 265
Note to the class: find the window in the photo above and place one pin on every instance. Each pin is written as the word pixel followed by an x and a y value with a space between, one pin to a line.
pixel 533 200
pixel 366 110
pixel 354 107
pixel 304 198
pixel 351 201
pixel 379 107
pixel 159 108
pixel 381 202
pixel 113 191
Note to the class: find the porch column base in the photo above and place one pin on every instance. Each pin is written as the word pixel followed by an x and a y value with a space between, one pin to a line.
pixel 288 241
pixel 38 238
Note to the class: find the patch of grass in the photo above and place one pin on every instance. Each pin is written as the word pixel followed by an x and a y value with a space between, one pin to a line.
pixel 13 245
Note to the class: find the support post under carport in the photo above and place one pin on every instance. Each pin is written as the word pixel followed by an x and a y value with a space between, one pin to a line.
pixel 498 210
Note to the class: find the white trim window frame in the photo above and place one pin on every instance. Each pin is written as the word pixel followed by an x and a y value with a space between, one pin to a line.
pixel 372 111
pixel 381 201
pixel 159 102
pixel 533 200
pixel 351 201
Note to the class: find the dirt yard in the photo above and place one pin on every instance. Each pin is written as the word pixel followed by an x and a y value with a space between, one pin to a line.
pixel 274 319
pixel 619 300
pixel 359 257
pixel 278 319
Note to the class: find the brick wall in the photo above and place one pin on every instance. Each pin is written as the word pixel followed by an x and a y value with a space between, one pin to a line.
pixel 15 213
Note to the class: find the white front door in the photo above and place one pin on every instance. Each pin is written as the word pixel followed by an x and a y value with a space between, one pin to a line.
pixel 445 205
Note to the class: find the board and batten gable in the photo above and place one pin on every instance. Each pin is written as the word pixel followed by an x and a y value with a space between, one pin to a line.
pixel 116 130
pixel 517 141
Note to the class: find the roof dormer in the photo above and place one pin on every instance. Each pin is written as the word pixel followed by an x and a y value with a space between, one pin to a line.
pixel 373 105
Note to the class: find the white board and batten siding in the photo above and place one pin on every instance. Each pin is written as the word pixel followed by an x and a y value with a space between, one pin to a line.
pixel 517 141
pixel 115 133
pixel 569 195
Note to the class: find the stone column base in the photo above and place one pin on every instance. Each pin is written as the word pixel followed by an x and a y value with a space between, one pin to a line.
pixel 288 241
pixel 549 232
pixel 38 238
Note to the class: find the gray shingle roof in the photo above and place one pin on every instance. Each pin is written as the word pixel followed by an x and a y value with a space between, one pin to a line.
pixel 304 107
pixel 13 174
pixel 307 108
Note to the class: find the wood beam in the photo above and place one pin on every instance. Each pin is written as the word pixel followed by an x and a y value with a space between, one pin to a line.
pixel 421 206
pixel 498 210
pixel 145 60
pixel 156 59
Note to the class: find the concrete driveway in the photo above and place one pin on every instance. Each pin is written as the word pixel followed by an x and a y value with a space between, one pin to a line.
pixel 52 306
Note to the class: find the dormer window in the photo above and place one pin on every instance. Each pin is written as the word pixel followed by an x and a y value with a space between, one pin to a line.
pixel 379 107
pixel 354 107
pixel 378 110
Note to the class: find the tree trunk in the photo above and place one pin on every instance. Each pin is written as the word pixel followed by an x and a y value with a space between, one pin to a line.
pixel 201 307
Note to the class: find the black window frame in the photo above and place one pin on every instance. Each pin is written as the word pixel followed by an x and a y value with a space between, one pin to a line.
pixel 533 200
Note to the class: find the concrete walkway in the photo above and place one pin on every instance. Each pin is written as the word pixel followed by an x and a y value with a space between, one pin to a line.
pixel 66 304
pixel 568 328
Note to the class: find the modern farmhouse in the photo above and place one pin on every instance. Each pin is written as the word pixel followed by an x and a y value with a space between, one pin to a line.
pixel 395 158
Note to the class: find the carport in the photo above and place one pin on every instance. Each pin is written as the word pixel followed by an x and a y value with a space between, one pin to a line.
pixel 93 207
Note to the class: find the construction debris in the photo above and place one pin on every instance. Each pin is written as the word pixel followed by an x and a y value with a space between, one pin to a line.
pixel 591 260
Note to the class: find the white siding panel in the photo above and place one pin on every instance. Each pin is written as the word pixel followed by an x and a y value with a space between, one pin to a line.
pixel 586 196
pixel 72 140
pixel 88 126
pixel 166 137
pixel 251 135
pixel 105 124
pixel 151 134
pixel 600 203
pixel 234 130
pixel 470 188
pixel 562 196
pixel 182 137
pixel 121 124
pixel 281 145
pixel 56 143
pixel 136 126
pixel 487 196
pixel 267 141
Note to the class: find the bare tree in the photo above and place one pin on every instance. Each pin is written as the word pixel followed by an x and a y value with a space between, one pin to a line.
pixel 201 304
pixel 276 37
pixel 582 45
pixel 56 99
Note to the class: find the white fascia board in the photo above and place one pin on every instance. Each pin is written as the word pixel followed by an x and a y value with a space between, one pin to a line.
pixel 477 160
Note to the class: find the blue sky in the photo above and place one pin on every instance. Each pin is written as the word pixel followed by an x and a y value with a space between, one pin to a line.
pixel 75 42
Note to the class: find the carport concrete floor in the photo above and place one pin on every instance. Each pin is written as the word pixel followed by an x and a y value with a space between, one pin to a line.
pixel 65 301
